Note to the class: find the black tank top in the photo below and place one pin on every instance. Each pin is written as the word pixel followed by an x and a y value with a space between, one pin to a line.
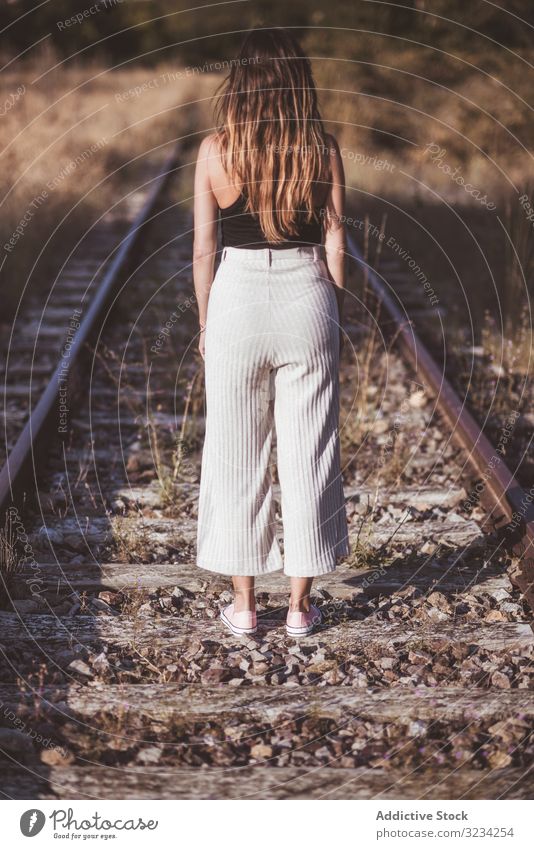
pixel 240 229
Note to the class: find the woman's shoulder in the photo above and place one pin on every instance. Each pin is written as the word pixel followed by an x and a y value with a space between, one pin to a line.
pixel 332 144
pixel 211 153
pixel 210 145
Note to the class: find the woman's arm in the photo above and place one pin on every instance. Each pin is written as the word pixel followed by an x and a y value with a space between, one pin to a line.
pixel 205 234
pixel 334 223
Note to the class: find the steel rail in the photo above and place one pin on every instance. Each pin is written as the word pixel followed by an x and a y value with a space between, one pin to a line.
pixel 501 492
pixel 19 461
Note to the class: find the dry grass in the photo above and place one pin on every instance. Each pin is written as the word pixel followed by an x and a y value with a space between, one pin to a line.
pixel 66 139
pixel 392 102
pixel 9 558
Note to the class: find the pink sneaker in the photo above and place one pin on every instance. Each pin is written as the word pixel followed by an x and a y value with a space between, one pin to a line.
pixel 243 622
pixel 299 624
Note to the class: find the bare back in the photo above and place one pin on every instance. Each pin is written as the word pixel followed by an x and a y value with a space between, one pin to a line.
pixel 226 191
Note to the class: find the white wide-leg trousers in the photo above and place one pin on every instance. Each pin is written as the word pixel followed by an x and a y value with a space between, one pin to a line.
pixel 271 360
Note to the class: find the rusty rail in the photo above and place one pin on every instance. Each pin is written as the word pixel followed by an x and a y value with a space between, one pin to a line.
pixel 20 462
pixel 501 494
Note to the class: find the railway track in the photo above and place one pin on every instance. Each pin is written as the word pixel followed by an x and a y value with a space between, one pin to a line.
pixel 419 685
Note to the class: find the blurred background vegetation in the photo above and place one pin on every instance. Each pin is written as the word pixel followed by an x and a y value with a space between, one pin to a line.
pixel 143 29
pixel 393 79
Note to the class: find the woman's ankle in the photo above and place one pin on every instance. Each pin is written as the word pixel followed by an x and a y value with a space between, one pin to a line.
pixel 244 602
pixel 301 605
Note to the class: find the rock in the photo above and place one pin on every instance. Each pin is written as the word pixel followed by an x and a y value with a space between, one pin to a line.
pixel 256 656
pixel 104 607
pixel 323 753
pixel 500 594
pixel 321 593
pixel 215 675
pixel 419 656
pixel 100 663
pixel 437 599
pixel 261 751
pixel 151 755
pixel 499 759
pixel 51 535
pixel 177 597
pixel 495 616
pixel 436 615
pixel 499 679
pixel 417 728
pixel 194 650
pixel 16 743
pixel 81 668
pixel 511 607
pixel 110 597
pixel 75 541
pixel 56 757
pixel 64 657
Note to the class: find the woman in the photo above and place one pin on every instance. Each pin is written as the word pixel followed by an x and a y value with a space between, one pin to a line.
pixel 270 330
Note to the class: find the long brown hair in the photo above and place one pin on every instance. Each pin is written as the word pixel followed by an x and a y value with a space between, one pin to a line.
pixel 270 131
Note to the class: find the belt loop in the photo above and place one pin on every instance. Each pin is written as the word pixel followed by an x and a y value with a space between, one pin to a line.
pixel 223 255
pixel 269 256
